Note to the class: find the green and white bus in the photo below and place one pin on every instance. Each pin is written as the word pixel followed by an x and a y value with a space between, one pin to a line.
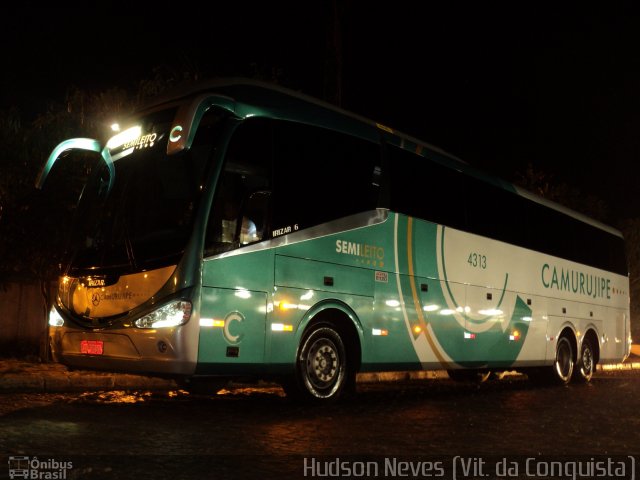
pixel 240 229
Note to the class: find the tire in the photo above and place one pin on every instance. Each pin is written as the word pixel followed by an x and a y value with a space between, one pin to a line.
pixel 586 365
pixel 322 371
pixel 561 372
pixel 562 369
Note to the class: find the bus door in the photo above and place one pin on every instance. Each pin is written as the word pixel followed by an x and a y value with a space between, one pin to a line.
pixel 237 269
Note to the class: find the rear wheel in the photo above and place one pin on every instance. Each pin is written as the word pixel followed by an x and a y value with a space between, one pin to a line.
pixel 562 369
pixel 586 363
pixel 322 370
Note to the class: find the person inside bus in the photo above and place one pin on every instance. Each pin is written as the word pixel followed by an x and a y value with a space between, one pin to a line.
pixel 223 232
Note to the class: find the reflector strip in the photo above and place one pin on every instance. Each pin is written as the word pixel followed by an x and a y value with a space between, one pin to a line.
pixel 281 327
pixel 380 332
pixel 210 322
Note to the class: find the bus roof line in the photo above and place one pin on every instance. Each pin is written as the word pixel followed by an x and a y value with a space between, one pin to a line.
pixel 422 148
pixel 211 85
pixel 567 211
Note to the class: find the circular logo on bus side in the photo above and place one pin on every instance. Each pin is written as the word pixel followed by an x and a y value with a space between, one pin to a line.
pixel 233 329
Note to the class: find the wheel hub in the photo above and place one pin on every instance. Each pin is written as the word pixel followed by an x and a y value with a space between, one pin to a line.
pixel 324 363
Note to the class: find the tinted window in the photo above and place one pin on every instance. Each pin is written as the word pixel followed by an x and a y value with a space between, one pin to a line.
pixel 321 175
pixel 280 177
pixel 240 214
pixel 424 189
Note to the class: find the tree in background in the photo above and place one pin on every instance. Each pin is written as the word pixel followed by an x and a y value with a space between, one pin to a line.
pixel 546 185
pixel 34 223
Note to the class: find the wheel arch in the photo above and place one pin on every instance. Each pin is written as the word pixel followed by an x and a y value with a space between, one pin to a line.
pixel 343 319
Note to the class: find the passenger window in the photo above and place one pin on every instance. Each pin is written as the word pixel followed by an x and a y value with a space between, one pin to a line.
pixel 240 214
pixel 321 175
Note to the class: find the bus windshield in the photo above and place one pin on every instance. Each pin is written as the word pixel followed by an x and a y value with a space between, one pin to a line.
pixel 144 220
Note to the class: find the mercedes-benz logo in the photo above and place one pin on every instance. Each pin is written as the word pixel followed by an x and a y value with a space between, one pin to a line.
pixel 95 299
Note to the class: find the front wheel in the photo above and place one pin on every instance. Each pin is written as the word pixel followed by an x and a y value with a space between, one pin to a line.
pixel 321 366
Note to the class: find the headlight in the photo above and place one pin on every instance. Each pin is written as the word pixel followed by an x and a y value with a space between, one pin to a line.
pixel 170 315
pixel 55 320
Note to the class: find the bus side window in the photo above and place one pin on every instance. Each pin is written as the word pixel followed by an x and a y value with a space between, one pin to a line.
pixel 321 175
pixel 240 213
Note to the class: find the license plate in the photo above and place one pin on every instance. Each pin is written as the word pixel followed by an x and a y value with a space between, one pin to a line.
pixel 92 347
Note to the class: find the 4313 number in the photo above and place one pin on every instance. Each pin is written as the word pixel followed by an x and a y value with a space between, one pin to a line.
pixel 477 260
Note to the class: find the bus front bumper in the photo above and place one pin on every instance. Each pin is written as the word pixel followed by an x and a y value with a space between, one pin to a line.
pixel 162 352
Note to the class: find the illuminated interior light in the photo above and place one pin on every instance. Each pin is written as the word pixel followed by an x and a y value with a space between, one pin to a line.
pixel 307 296
pixel 430 308
pixel 115 127
pixel 447 311
pixel 467 309
pixel 392 303
pixel 491 312
pixel 124 137
pixel 459 310
pixel 281 327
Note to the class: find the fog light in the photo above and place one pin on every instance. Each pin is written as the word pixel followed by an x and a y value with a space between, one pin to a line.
pixel 55 319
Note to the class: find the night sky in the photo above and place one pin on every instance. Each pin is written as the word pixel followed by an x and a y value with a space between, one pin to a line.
pixel 497 85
